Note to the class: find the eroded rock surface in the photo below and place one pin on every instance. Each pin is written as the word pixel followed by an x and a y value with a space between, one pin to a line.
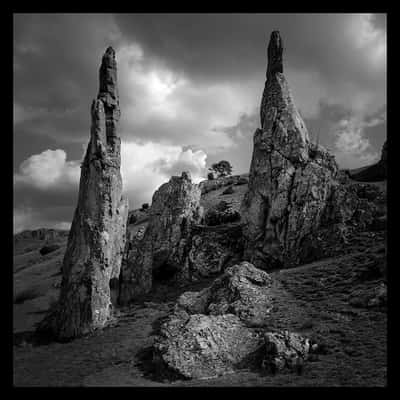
pixel 211 332
pixel 162 253
pixel 242 290
pixel 285 350
pixel 223 328
pixel 200 346
pixel 290 177
pixel 97 237
pixel 214 248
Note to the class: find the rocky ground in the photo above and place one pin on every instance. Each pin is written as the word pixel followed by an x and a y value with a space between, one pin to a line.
pixel 337 301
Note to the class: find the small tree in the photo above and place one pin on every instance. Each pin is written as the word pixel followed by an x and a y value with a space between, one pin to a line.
pixel 145 206
pixel 221 168
pixel 210 176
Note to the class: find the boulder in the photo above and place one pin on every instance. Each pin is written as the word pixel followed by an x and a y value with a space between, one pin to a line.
pixel 290 177
pixel 285 350
pixel 242 290
pixel 163 251
pixel 220 329
pixel 97 237
pixel 202 346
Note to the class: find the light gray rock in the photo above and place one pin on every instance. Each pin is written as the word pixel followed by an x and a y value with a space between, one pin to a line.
pixel 202 346
pixel 221 329
pixel 242 290
pixel 163 251
pixel 290 178
pixel 97 237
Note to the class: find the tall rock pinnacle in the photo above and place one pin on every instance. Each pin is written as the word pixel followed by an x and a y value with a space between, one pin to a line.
pixel 290 177
pixel 275 50
pixel 108 91
pixel 97 237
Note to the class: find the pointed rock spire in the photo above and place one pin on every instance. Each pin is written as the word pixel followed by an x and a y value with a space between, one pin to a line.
pixel 97 237
pixel 290 177
pixel 108 91
pixel 275 50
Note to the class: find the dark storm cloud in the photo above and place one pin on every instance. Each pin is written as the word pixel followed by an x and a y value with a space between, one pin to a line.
pixel 215 46
pixel 186 81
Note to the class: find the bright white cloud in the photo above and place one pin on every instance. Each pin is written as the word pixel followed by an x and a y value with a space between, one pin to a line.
pixel 49 169
pixel 167 106
pixel 144 167
pixel 352 148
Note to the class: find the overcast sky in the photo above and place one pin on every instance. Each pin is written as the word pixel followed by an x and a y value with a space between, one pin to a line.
pixel 190 87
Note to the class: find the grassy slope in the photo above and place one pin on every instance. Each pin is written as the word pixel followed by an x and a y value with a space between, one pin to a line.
pixel 315 299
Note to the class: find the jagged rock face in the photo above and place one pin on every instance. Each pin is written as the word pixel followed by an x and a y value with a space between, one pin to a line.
pixel 97 237
pixel 211 332
pixel 285 350
pixel 200 346
pixel 290 177
pixel 163 251
pixel 220 329
pixel 213 249
pixel 242 290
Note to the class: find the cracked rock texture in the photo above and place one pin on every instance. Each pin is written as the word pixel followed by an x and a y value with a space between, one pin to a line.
pixel 285 350
pixel 214 248
pixel 222 329
pixel 200 346
pixel 242 290
pixel 290 178
pixel 211 332
pixel 162 252
pixel 97 237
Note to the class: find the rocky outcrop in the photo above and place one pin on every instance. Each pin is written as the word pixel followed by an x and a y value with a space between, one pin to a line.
pixel 223 328
pixel 242 290
pixel 97 237
pixel 162 253
pixel 285 350
pixel 214 248
pixel 290 177
pixel 200 346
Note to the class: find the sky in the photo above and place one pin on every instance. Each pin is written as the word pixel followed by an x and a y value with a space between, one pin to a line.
pixel 190 86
